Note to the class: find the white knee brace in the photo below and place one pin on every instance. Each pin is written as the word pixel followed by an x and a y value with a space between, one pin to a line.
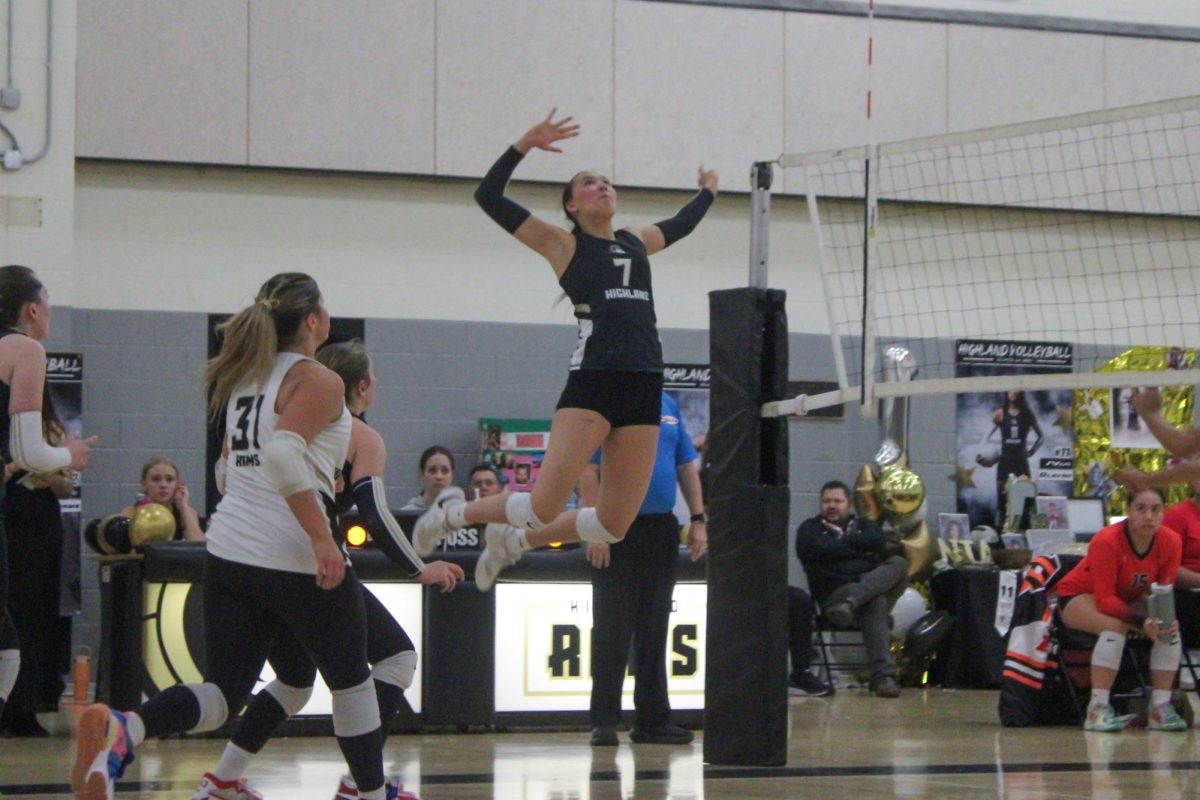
pixel 355 710
pixel 1108 649
pixel 291 699
pixel 213 708
pixel 1165 657
pixel 587 524
pixel 518 509
pixel 10 665
pixel 397 669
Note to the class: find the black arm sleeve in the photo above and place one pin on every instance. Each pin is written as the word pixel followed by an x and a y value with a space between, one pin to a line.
pixel 384 530
pixel 490 194
pixel 687 219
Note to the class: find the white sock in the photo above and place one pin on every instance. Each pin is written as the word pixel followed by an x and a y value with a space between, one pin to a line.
pixel 377 794
pixel 233 763
pixel 1100 697
pixel 1159 696
pixel 135 728
pixel 348 780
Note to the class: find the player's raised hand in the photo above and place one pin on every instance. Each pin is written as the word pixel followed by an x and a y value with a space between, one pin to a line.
pixel 547 132
pixel 1147 401
pixel 707 179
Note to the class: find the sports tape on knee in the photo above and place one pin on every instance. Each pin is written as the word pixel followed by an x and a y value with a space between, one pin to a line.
pixel 213 708
pixel 10 665
pixel 397 669
pixel 1108 649
pixel 587 524
pixel 1165 657
pixel 291 699
pixel 355 710
pixel 518 509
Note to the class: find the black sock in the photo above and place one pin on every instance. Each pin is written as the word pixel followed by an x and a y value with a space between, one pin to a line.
pixel 362 754
pixel 258 724
pixel 173 710
pixel 389 696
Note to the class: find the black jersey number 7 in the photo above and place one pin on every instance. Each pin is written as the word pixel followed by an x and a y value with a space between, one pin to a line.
pixel 241 438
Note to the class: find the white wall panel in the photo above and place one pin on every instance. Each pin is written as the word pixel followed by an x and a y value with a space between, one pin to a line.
pixel 203 240
pixel 1144 70
pixel 1000 75
pixel 825 72
pixel 696 85
pixel 491 88
pixel 342 85
pixel 162 80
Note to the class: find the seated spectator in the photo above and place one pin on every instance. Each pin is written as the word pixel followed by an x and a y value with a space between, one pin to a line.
pixel 1106 595
pixel 853 578
pixel 162 484
pixel 436 468
pixel 483 482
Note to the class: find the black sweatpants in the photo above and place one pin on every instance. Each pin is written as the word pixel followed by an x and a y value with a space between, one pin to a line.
pixel 800 630
pixel 631 598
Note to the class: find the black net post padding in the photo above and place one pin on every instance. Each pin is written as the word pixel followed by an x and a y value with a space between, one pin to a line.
pixel 746 697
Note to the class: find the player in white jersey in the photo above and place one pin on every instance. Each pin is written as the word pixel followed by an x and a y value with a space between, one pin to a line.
pixel 272 563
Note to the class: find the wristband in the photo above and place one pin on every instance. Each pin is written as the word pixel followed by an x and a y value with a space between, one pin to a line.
pixel 699 517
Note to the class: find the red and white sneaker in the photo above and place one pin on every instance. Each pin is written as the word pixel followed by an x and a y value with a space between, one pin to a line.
pixel 347 790
pixel 213 788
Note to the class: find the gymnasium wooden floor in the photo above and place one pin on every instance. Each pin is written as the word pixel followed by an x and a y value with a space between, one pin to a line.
pixel 931 744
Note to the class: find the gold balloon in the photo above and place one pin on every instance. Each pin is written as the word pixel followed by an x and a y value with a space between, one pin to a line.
pixel 151 522
pixel 866 504
pixel 1096 460
pixel 901 491
pixel 921 551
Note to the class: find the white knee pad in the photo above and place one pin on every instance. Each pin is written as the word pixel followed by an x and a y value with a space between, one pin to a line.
pixel 291 699
pixel 587 524
pixel 355 710
pixel 213 708
pixel 1165 657
pixel 518 509
pixel 397 669
pixel 10 665
pixel 1108 649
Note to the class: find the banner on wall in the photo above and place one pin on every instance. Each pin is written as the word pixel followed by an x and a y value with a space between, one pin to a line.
pixel 64 380
pixel 543 647
pixel 1011 433
pixel 688 386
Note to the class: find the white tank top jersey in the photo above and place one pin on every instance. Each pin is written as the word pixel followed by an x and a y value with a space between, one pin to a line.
pixel 252 523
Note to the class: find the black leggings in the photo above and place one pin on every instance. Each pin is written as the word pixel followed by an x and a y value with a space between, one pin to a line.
pixel 8 629
pixel 247 609
pixel 385 637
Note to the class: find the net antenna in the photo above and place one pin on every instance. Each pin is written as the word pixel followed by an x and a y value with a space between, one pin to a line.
pixel 1083 229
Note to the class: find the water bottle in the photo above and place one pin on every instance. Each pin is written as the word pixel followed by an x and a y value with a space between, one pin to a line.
pixel 81 675
pixel 1161 606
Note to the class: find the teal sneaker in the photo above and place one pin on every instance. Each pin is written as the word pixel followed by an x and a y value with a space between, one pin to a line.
pixel 1164 717
pixel 1101 717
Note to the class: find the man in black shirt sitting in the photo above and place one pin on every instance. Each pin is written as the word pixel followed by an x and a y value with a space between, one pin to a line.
pixel 853 577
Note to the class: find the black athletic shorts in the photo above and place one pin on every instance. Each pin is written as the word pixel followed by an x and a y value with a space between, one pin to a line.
pixel 622 398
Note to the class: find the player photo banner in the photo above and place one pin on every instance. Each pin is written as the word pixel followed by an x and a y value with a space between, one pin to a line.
pixel 999 434
pixel 64 379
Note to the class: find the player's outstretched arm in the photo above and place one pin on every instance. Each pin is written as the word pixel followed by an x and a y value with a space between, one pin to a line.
pixel 662 235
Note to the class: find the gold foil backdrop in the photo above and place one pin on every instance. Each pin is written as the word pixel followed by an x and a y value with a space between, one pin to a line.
pixel 1096 460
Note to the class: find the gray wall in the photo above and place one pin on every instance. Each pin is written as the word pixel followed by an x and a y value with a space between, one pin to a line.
pixel 142 397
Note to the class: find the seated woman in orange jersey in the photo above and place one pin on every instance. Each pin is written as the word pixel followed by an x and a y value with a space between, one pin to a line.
pixel 1106 595
pixel 1184 519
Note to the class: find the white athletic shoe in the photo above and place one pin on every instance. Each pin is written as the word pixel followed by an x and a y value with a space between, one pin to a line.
pixel 502 549
pixel 213 788
pixel 432 527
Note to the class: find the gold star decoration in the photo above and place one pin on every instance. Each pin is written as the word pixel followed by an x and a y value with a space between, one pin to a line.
pixel 963 477
pixel 1064 418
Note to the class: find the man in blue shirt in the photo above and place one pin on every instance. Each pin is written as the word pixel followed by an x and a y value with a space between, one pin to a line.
pixel 632 587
